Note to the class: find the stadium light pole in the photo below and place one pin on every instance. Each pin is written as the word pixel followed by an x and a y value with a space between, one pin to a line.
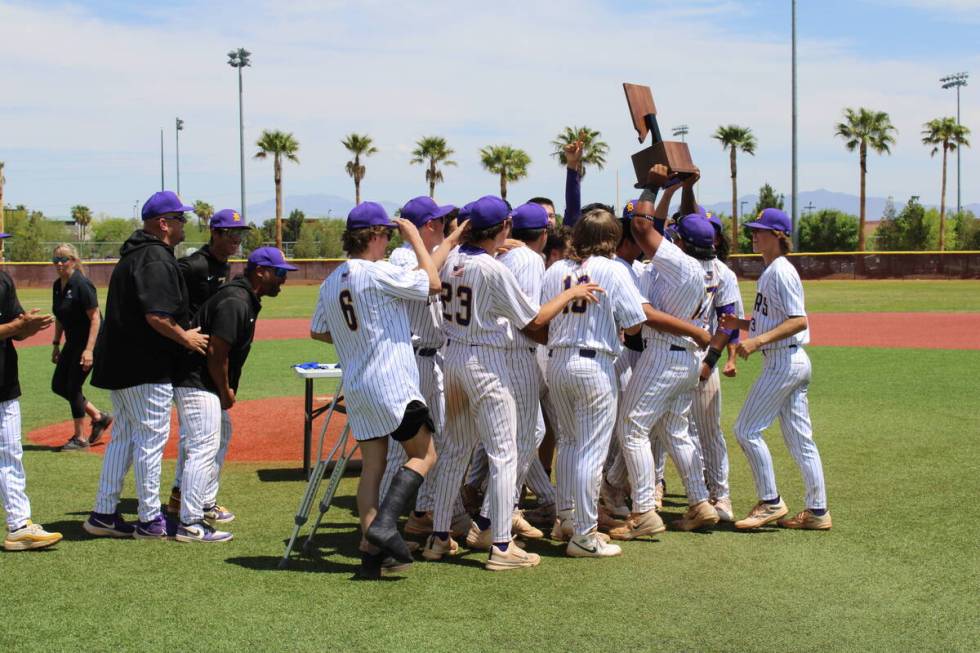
pixel 162 183
pixel 239 59
pixel 956 81
pixel 180 127
pixel 795 186
pixel 680 130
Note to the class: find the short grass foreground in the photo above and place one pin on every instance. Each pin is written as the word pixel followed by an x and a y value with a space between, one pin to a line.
pixel 897 431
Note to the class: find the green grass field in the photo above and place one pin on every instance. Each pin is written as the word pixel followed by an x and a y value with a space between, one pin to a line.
pixel 821 297
pixel 896 429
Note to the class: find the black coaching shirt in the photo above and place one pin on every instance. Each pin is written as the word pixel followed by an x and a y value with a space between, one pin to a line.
pixel 229 314
pixel 71 305
pixel 10 308
pixel 203 275
pixel 146 280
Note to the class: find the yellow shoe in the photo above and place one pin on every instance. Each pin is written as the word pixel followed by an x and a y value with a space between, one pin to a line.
pixel 697 516
pixel 521 527
pixel 639 525
pixel 806 520
pixel 513 558
pixel 30 536
pixel 482 540
pixel 763 513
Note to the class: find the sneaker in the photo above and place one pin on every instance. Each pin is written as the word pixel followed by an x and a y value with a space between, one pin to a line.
pixel 592 545
pixel 107 525
pixel 201 532
pixel 74 444
pixel 419 525
pixel 723 507
pixel 99 426
pixel 763 513
pixel 562 529
pixel 639 525
pixel 542 515
pixel 520 527
pixel 614 501
pixel 173 504
pixel 806 520
pixel 659 490
pixel 697 516
pixel 30 536
pixel 435 548
pixel 608 521
pixel 513 558
pixel 481 540
pixel 155 529
pixel 218 515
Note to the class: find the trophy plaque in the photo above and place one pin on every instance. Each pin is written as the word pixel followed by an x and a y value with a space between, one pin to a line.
pixel 673 154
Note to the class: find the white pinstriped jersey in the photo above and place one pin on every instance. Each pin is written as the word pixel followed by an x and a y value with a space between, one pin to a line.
pixel 720 290
pixel 634 269
pixel 778 297
pixel 587 325
pixel 363 306
pixel 482 301
pixel 727 273
pixel 673 283
pixel 528 268
pixel 425 319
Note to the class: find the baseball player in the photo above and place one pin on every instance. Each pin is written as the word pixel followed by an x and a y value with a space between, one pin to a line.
pixel 362 310
pixel 143 334
pixel 206 386
pixel 204 271
pixel 483 305
pixel 425 321
pixel 16 324
pixel 778 328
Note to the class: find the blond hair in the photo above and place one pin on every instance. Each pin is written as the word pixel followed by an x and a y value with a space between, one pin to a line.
pixel 72 253
pixel 597 233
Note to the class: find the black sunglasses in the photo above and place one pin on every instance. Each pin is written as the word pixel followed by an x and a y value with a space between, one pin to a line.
pixel 180 217
pixel 60 259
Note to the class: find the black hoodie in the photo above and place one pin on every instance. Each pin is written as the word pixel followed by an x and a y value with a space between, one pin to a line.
pixel 128 351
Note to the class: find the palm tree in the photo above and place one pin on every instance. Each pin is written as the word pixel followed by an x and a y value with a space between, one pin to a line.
pixel 946 134
pixel 735 138
pixel 82 215
pixel 359 145
pixel 594 151
pixel 508 162
pixel 203 211
pixel 278 144
pixel 432 150
pixel 863 128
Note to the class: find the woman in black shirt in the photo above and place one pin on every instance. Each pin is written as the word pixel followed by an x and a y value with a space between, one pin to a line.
pixel 76 311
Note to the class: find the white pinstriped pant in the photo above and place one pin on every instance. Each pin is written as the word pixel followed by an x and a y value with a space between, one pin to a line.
pixel 659 394
pixel 781 391
pixel 211 496
pixel 431 386
pixel 584 393
pixel 139 433
pixel 13 479
pixel 200 415
pixel 479 404
pixel 706 431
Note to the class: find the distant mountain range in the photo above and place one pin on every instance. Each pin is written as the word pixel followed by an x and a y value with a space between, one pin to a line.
pixel 323 205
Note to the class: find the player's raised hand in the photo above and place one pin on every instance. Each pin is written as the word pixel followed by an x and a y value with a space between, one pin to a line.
pixel 456 235
pixel 407 229
pixel 691 178
pixel 196 341
pixel 573 154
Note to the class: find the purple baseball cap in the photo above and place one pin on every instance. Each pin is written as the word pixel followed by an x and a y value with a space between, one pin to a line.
pixel 165 201
pixel 488 211
pixel 772 220
pixel 422 209
pixel 714 220
pixel 4 236
pixel 696 230
pixel 629 209
pixel 464 213
pixel 228 219
pixel 269 257
pixel 530 216
pixel 368 214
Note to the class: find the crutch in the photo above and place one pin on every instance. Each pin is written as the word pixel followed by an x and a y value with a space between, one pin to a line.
pixel 338 473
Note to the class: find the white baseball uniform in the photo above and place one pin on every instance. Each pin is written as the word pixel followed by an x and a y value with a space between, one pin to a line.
pixel 483 305
pixel 781 389
pixel 659 391
pixel 13 480
pixel 363 305
pixel 200 415
pixel 584 343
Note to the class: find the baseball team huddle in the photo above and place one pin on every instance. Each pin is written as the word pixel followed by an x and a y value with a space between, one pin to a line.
pixel 489 344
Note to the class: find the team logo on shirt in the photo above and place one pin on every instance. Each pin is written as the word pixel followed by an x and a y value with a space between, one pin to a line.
pixel 68 294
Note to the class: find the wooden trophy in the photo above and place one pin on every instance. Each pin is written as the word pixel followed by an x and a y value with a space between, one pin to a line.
pixel 673 154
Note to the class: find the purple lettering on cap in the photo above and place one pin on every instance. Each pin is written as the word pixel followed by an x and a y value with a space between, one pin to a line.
pixel 368 214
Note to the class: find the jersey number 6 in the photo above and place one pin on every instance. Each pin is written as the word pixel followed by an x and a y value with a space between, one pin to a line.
pixel 347 308
pixel 465 296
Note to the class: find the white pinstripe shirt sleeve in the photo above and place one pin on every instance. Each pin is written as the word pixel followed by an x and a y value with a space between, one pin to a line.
pixel 319 322
pixel 626 297
pixel 404 257
pixel 789 290
pixel 410 285
pixel 727 292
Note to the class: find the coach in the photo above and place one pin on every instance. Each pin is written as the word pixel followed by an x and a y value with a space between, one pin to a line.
pixel 135 355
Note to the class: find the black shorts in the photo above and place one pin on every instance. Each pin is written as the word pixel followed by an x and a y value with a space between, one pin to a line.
pixel 416 414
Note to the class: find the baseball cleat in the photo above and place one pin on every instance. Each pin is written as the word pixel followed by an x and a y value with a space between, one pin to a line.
pixel 107 525
pixel 30 536
pixel 763 513
pixel 481 540
pixel 520 527
pixel 513 558
pixel 419 525
pixel 75 445
pixel 562 530
pixel 173 504
pixel 607 521
pixel 542 515
pixel 723 507
pixel 218 515
pixel 201 532
pixel 435 548
pixel 806 520
pixel 155 529
pixel 99 426
pixel 592 545
pixel 639 525
pixel 697 516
